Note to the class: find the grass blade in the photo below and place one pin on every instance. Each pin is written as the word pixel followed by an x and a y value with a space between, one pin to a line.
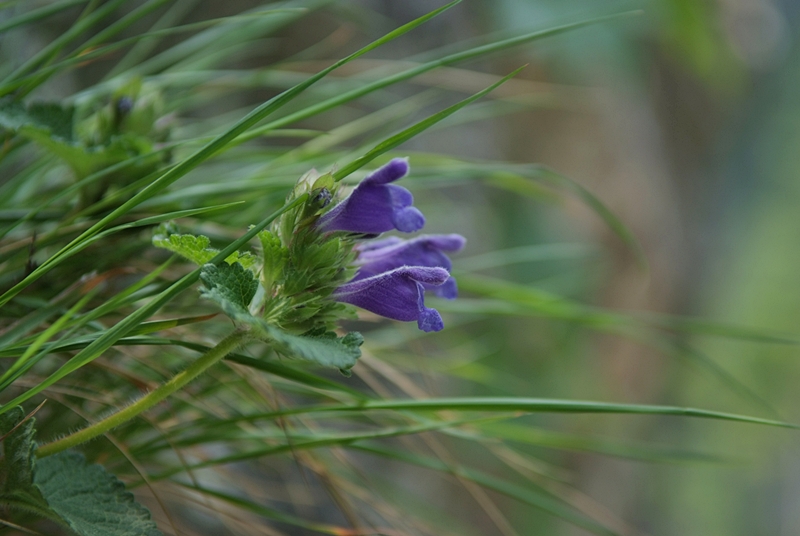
pixel 412 131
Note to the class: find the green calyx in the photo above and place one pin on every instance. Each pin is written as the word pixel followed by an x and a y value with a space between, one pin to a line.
pixel 287 284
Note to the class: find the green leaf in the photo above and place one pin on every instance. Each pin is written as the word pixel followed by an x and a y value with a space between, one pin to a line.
pixel 197 249
pixel 52 126
pixel 232 287
pixel 194 248
pixel 91 500
pixel 326 349
pixel 50 117
pixel 18 465
pixel 64 488
pixel 275 255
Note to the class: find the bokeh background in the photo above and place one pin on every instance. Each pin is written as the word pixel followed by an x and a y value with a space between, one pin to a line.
pixel 684 119
pixel 685 122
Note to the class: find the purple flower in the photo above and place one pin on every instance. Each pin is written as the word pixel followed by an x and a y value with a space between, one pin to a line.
pixel 426 250
pixel 375 206
pixel 397 294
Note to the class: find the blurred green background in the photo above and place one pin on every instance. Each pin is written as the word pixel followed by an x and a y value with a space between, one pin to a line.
pixel 685 121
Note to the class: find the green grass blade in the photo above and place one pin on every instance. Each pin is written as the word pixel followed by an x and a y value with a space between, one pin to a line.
pixel 61 41
pixel 412 131
pixel 38 14
pixel 526 495
pixel 237 30
pixel 610 219
pixel 532 253
pixel 44 336
pixel 318 440
pixel 269 513
pixel 557 440
pixel 531 405
pixel 466 55
pixel 140 50
pixel 89 53
pixel 543 303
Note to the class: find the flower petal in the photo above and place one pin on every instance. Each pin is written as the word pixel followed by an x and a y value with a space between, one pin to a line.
pixel 447 290
pixel 375 206
pixel 397 294
pixel 425 250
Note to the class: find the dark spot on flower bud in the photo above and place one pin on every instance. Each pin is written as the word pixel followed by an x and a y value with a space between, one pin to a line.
pixel 322 198
pixel 124 105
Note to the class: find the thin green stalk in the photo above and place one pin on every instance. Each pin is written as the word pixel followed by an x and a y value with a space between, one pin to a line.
pixel 203 363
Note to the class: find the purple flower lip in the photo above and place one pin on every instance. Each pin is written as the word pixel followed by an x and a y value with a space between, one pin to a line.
pixel 397 294
pixel 426 250
pixel 376 206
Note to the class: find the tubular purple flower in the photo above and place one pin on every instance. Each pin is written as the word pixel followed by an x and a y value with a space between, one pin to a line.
pixel 398 294
pixel 375 206
pixel 426 250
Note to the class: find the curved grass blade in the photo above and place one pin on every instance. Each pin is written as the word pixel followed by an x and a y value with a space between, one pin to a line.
pixel 415 129
pixel 683 350
pixel 458 57
pixel 61 41
pixel 544 303
pixel 140 50
pixel 213 39
pixel 610 219
pixel 38 14
pixel 270 513
pixel 551 305
pixel 532 253
pixel 516 183
pixel 81 57
pixel 532 497
pixel 557 440
pixel 528 405
pixel 314 442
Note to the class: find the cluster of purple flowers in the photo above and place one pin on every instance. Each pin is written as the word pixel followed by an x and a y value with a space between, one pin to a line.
pixel 393 273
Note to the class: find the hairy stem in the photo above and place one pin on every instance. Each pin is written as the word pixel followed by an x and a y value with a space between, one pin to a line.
pixel 203 363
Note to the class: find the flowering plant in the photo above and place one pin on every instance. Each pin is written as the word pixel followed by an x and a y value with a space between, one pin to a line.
pixel 322 257
pixel 98 323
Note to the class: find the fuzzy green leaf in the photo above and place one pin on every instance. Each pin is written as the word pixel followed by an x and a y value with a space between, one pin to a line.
pixel 50 117
pixel 325 349
pixel 18 465
pixel 275 255
pixel 91 500
pixel 194 248
pixel 198 249
pixel 64 488
pixel 232 287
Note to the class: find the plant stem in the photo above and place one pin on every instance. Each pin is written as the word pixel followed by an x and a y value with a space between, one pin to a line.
pixel 203 363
